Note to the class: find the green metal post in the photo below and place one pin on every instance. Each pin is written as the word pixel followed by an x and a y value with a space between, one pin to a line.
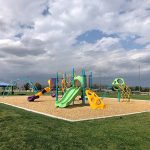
pixel 119 95
pixel 57 87
pixel 83 88
pixel 91 80
pixel 65 81
pixel 73 77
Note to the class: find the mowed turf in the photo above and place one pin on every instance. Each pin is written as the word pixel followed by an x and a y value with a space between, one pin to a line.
pixel 114 95
pixel 22 130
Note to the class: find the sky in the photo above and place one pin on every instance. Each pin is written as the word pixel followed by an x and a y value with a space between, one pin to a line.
pixel 41 37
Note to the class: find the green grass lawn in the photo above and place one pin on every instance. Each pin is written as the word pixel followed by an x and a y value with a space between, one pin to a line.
pixel 114 95
pixel 143 97
pixel 22 130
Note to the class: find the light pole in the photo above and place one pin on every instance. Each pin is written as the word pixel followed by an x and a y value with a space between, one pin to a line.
pixel 100 83
pixel 139 79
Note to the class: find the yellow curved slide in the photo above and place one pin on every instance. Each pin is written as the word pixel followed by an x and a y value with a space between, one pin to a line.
pixel 94 101
pixel 47 89
pixel 37 95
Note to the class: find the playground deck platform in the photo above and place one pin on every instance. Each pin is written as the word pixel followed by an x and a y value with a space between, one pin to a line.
pixel 46 105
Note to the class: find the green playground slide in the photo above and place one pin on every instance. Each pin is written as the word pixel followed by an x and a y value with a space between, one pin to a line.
pixel 68 97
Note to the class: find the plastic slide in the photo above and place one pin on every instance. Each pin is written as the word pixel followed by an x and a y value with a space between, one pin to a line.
pixel 94 101
pixel 36 96
pixel 68 97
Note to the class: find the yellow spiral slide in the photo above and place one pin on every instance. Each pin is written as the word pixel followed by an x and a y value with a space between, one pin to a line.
pixel 94 101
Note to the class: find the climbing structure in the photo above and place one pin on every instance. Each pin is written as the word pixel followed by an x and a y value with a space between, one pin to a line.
pixel 94 100
pixel 124 92
pixel 79 88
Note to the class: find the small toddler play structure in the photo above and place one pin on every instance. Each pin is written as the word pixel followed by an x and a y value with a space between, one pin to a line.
pixel 71 88
pixel 124 92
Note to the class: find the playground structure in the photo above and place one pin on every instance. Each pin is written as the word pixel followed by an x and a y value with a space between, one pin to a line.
pixel 124 92
pixel 81 85
pixel 9 89
pixel 70 89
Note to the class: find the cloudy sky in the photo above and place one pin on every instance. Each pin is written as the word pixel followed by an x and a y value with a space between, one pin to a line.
pixel 40 37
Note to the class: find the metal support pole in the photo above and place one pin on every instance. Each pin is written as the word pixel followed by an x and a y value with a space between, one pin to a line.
pixel 91 80
pixel 73 77
pixel 119 95
pixel 139 80
pixel 65 80
pixel 83 88
pixel 73 80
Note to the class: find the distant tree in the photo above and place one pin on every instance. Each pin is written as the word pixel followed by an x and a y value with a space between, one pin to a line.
pixel 141 88
pixel 145 89
pixel 38 85
pixel 133 88
pixel 137 88
pixel 27 86
pixel 95 86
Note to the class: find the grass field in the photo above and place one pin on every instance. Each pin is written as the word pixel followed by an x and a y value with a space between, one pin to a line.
pixel 114 95
pixel 23 130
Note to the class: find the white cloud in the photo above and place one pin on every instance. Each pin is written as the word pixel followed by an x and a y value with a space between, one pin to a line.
pixel 47 43
pixel 8 42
